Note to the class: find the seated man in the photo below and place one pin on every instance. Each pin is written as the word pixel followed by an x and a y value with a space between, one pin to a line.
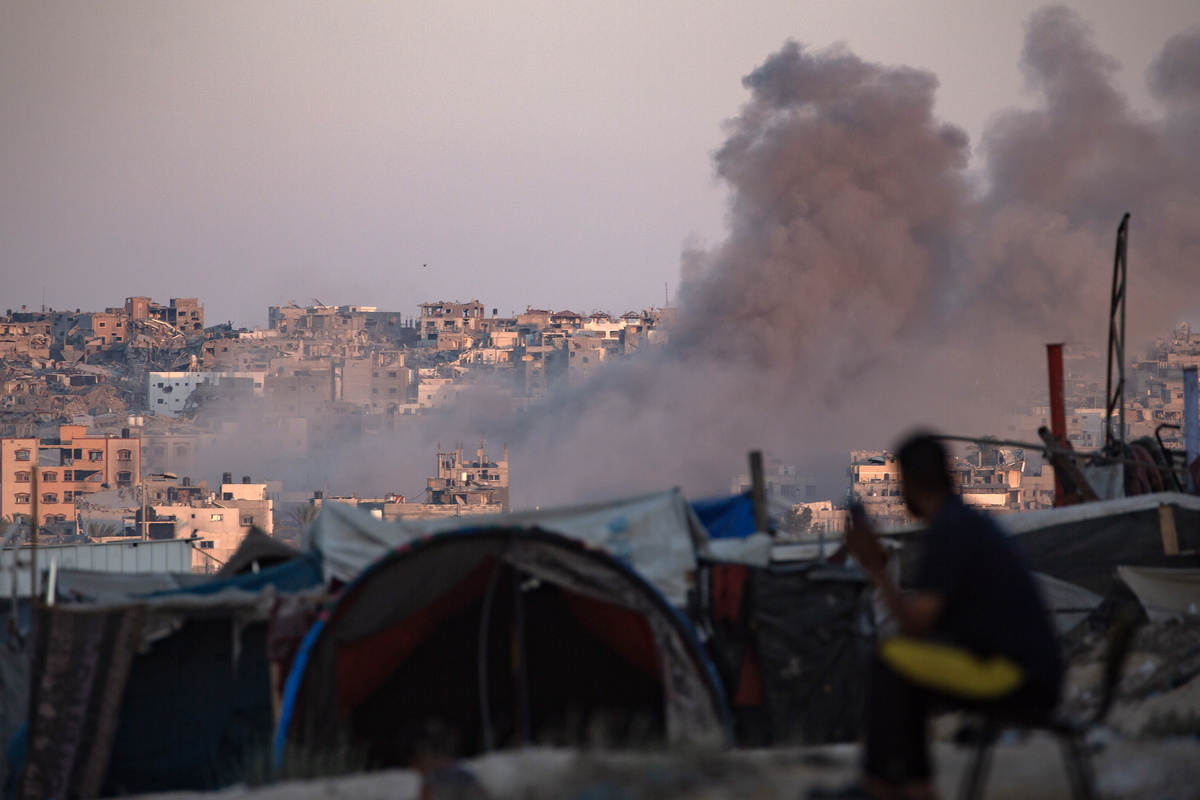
pixel 974 630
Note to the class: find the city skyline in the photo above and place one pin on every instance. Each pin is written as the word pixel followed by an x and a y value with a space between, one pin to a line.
pixel 371 154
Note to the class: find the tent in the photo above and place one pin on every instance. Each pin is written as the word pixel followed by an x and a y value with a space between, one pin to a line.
pixel 499 636
pixel 657 534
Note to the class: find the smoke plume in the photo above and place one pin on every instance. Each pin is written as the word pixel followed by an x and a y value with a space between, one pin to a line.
pixel 872 280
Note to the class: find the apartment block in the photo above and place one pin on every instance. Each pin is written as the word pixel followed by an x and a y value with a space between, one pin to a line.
pixel 63 468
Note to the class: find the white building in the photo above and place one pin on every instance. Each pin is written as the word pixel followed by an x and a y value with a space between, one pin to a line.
pixel 167 392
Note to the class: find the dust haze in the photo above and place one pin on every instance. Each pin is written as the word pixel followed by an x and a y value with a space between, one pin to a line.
pixel 878 274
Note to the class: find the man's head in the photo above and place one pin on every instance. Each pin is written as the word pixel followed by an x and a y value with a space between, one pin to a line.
pixel 927 481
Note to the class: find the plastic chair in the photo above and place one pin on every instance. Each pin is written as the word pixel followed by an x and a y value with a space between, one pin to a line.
pixel 1071 731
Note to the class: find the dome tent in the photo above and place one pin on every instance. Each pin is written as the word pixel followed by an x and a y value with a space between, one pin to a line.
pixel 501 636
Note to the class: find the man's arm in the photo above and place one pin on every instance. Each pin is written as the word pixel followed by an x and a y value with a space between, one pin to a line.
pixel 915 613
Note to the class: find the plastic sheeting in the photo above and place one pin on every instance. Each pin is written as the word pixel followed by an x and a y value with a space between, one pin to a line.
pixel 658 535
pixel 814 642
pixel 1165 593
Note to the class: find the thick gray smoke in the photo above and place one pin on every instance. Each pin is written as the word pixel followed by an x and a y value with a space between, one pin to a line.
pixel 872 281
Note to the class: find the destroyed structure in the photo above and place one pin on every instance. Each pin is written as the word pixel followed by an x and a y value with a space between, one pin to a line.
pixel 461 487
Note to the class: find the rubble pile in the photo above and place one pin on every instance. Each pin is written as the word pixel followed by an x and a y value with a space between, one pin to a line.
pixel 1161 677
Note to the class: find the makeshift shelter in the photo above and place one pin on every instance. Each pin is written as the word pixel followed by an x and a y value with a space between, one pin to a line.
pixel 257 551
pixel 792 644
pixel 656 534
pixel 499 636
pixel 160 683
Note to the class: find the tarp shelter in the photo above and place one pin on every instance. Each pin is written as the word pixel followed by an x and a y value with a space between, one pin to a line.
pixel 180 693
pixel 727 517
pixel 1084 544
pixel 656 534
pixel 501 636
pixel 1164 593
pixel 792 644
pixel 257 551
pixel 733 536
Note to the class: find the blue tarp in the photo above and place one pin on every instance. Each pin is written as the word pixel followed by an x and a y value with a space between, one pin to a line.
pixel 295 575
pixel 727 517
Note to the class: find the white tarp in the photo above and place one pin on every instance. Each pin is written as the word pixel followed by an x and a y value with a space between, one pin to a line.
pixel 658 535
pixel 1070 604
pixel 1165 592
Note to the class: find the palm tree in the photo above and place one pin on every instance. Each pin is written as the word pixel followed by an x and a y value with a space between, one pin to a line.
pixel 296 519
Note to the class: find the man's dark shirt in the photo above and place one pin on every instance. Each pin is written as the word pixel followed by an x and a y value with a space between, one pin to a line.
pixel 992 603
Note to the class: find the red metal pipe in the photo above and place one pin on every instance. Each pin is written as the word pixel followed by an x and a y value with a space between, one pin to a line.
pixel 1058 411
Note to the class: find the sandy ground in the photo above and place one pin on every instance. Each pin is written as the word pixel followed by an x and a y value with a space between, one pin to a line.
pixel 1159 770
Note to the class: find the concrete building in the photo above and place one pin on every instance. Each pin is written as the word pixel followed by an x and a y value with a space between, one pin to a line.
pixel 219 521
pixel 66 466
pixel 168 392
pixel 784 485
pixel 470 482
pixel 451 320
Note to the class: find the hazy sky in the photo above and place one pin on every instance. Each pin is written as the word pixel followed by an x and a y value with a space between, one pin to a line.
pixel 557 154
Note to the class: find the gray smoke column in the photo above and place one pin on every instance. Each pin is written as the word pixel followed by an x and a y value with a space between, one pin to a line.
pixel 846 218
pixel 871 282
pixel 872 279
pixel 1062 174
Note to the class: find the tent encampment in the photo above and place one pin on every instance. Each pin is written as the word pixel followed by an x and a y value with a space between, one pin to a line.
pixel 656 534
pixel 500 636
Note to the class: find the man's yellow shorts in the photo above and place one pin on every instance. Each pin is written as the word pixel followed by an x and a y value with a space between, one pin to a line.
pixel 952 670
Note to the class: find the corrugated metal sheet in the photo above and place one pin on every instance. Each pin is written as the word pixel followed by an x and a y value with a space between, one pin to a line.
pixel 133 557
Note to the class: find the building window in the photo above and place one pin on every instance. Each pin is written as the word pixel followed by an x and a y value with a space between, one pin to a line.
pixel 124 476
pixel 50 497
pixel 49 477
pixel 206 544
pixel 217 517
pixel 247 519
pixel 124 455
pixel 22 455
pixel 69 475
pixel 95 455
pixel 23 477
pixel 68 497
pixel 22 499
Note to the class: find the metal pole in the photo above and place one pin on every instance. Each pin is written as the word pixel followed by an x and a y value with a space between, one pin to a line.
pixel 1114 442
pixel 1191 423
pixel 1058 412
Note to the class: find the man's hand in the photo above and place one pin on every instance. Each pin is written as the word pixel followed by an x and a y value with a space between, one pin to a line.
pixel 914 613
pixel 863 543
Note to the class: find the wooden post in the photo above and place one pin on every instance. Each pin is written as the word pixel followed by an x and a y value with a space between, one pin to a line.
pixel 1058 413
pixel 1191 422
pixel 33 530
pixel 758 492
